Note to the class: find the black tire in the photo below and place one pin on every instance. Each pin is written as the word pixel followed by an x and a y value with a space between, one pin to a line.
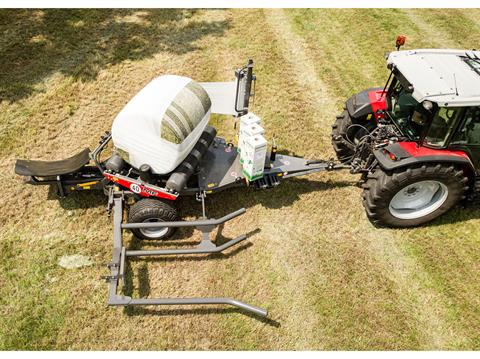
pixel 152 210
pixel 342 136
pixel 342 147
pixel 381 187
pixel 346 135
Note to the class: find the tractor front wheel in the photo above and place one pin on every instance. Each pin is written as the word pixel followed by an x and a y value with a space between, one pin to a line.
pixel 342 146
pixel 149 210
pixel 412 196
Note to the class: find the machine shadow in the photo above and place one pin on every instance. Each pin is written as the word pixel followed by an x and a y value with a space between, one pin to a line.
pixel 230 200
pixel 78 200
pixel 287 193
pixel 134 311
pixel 217 205
pixel 81 42
pixel 218 239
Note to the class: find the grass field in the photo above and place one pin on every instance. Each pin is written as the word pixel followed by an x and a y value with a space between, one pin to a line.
pixel 328 277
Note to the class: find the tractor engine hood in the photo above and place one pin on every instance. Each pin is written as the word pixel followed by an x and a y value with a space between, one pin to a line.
pixel 364 103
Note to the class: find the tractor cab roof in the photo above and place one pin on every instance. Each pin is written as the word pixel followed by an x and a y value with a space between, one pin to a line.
pixel 448 77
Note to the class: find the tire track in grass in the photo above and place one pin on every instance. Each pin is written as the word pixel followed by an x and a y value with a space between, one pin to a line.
pixel 430 31
pixel 294 51
pixel 261 283
pixel 279 277
pixel 416 290
pixel 291 248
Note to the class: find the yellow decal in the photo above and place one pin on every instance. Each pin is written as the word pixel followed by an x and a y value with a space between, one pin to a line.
pixel 369 116
pixel 87 184
pixel 210 185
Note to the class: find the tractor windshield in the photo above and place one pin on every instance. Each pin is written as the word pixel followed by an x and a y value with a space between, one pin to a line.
pixel 407 113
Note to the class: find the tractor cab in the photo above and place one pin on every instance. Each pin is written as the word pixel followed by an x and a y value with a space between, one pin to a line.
pixel 434 98
pixel 430 124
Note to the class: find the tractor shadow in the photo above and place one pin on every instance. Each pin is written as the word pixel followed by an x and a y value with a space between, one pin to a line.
pixel 461 213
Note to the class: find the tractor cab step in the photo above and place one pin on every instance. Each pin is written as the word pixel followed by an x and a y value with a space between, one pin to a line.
pixel 52 168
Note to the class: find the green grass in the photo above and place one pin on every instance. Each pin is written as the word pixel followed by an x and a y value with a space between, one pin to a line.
pixel 329 278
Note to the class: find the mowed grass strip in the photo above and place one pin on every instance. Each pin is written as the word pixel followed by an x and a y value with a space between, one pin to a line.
pixel 329 279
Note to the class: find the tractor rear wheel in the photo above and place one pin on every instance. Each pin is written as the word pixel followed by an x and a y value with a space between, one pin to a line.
pixel 152 210
pixel 412 196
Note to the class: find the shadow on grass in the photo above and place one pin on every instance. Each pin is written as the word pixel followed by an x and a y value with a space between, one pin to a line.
pixel 81 42
pixel 219 204
pixel 231 200
pixel 132 311
pixel 286 194
pixel 461 213
pixel 78 200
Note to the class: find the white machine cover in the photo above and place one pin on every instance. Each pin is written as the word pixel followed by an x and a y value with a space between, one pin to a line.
pixel 162 123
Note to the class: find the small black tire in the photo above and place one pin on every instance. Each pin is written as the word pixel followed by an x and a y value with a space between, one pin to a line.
pixel 381 188
pixel 341 145
pixel 152 210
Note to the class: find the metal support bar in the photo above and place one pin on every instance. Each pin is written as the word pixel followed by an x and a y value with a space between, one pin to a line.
pixel 61 193
pixel 309 169
pixel 120 255
pixel 121 301
pixel 208 222
pixel 200 249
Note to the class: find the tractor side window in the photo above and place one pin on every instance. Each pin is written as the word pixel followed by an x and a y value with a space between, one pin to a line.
pixel 442 125
pixel 406 112
pixel 403 103
pixel 469 133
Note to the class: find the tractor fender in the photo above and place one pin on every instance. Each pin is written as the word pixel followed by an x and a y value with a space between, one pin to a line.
pixel 404 154
pixel 365 103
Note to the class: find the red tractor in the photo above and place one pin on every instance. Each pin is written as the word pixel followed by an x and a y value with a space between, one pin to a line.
pixel 416 141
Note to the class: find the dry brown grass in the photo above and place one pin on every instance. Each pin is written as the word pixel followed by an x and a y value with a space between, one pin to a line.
pixel 329 279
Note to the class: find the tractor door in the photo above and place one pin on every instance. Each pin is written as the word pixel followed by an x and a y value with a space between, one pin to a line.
pixel 467 136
